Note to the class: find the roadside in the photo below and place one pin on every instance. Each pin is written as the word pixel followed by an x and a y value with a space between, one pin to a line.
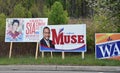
pixel 70 59
pixel 59 68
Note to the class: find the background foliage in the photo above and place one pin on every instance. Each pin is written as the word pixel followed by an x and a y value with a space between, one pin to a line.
pixel 99 15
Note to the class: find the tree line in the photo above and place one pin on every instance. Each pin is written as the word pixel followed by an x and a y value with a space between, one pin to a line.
pixel 36 8
pixel 104 14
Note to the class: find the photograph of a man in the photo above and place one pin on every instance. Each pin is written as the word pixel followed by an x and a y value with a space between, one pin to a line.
pixel 45 41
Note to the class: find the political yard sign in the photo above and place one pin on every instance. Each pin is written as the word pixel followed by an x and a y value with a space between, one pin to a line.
pixel 24 29
pixel 107 45
pixel 68 38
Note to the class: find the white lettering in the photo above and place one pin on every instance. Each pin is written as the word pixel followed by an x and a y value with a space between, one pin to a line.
pixel 106 50
pixel 116 50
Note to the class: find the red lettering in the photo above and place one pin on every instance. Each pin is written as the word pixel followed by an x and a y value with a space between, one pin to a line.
pixel 57 39
pixel 33 29
pixel 30 28
pixel 67 39
pixel 80 39
pixel 27 28
pixel 74 40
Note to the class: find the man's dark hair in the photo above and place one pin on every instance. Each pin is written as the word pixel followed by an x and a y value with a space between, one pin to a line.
pixel 46 28
pixel 15 21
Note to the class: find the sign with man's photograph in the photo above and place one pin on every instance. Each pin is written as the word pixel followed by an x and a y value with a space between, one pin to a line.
pixel 107 45
pixel 68 38
pixel 24 29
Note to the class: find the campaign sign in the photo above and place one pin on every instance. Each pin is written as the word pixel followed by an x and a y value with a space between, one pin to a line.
pixel 32 26
pixel 68 38
pixel 24 29
pixel 107 45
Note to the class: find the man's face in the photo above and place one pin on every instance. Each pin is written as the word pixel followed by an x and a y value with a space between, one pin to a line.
pixel 46 33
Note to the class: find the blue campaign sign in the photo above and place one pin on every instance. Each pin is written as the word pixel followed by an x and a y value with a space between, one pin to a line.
pixel 107 46
pixel 107 50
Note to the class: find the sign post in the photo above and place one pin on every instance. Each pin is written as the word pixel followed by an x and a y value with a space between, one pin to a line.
pixel 51 54
pixel 83 55
pixel 36 54
pixel 63 55
pixel 42 54
pixel 10 51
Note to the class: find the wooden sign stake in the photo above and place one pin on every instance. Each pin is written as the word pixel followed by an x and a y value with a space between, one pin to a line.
pixel 10 51
pixel 51 54
pixel 83 55
pixel 63 55
pixel 42 54
pixel 36 54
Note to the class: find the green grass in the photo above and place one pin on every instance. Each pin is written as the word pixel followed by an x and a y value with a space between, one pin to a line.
pixel 57 60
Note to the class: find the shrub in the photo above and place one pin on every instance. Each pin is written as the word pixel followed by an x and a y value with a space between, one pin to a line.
pixel 57 14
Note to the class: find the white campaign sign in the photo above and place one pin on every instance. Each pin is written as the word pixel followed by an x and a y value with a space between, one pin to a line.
pixel 71 38
pixel 24 29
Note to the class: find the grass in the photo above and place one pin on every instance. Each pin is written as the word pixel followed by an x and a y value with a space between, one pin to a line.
pixel 57 60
